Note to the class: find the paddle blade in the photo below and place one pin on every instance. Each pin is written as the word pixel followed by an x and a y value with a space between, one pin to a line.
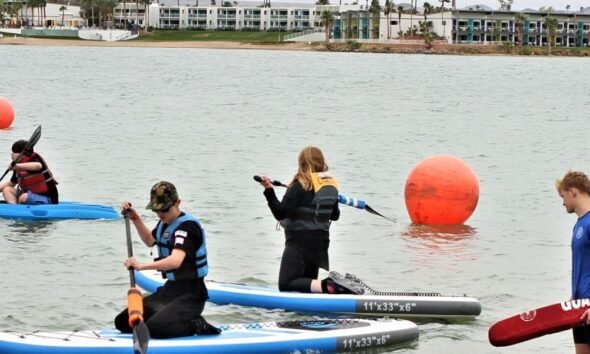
pixel 141 338
pixel 30 144
pixel 34 139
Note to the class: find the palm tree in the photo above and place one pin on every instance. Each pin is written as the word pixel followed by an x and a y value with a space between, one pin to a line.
pixel 442 14
pixel 62 9
pixel 551 24
pixel 88 5
pixel 146 15
pixel 426 26
pixel 519 20
pixel 387 10
pixel 412 15
pixel 400 10
pixel 327 17
pixel 375 10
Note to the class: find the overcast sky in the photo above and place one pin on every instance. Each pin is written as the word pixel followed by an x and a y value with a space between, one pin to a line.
pixel 522 4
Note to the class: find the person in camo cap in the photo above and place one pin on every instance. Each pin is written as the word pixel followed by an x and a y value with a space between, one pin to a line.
pixel 174 310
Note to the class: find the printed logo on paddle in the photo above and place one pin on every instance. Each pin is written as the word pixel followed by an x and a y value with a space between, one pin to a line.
pixel 528 316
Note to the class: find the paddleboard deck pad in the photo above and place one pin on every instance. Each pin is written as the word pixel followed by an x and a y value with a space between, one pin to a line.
pixel 334 336
pixel 538 322
pixel 62 211
pixel 371 304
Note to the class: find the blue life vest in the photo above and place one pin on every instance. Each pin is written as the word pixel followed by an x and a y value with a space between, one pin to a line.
pixel 165 241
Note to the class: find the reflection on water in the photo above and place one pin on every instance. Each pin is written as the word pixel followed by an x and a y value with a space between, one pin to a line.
pixel 28 231
pixel 442 245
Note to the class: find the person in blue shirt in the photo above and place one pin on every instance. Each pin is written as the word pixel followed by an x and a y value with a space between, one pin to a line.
pixel 574 190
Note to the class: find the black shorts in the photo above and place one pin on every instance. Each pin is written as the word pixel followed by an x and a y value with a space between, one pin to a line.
pixel 582 334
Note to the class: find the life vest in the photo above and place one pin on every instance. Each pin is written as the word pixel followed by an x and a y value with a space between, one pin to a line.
pixel 34 181
pixel 165 241
pixel 316 216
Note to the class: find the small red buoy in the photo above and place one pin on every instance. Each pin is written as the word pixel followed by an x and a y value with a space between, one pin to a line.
pixel 6 113
pixel 441 190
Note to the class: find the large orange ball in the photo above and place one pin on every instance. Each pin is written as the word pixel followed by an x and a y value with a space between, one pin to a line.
pixel 441 190
pixel 6 113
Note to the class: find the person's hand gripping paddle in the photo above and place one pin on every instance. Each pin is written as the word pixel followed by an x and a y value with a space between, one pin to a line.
pixel 141 333
pixel 30 145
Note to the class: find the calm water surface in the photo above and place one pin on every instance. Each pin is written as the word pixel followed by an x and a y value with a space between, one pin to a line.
pixel 116 120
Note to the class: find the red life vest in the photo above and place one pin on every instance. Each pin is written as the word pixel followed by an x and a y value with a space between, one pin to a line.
pixel 34 181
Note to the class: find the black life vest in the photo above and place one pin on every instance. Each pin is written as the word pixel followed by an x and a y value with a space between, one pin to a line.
pixel 316 215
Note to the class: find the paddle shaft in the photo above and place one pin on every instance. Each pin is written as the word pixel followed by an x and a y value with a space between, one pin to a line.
pixel 30 145
pixel 129 246
pixel 141 333
pixel 357 203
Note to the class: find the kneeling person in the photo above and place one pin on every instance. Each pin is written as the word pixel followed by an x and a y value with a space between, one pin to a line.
pixel 174 310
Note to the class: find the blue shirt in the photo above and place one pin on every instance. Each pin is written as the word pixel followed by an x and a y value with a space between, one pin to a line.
pixel 581 258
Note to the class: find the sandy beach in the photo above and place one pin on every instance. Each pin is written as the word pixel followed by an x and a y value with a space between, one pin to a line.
pixel 184 44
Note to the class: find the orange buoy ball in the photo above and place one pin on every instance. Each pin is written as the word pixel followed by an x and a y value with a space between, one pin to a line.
pixel 6 113
pixel 441 190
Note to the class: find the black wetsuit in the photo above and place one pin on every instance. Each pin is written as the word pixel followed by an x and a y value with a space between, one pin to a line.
pixel 306 251
pixel 173 308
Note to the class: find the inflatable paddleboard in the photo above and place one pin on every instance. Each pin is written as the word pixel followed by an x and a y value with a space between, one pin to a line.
pixel 271 337
pixel 63 210
pixel 538 322
pixel 372 303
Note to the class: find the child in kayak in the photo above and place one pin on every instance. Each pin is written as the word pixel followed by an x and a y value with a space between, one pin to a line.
pixel 32 182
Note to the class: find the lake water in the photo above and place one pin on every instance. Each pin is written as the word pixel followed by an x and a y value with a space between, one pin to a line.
pixel 117 120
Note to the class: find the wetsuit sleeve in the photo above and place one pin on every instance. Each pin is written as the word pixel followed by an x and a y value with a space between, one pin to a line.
pixel 335 212
pixel 287 206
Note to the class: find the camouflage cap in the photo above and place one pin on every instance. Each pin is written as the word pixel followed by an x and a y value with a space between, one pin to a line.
pixel 162 196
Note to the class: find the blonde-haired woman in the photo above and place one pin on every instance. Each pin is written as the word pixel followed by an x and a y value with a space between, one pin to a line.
pixel 306 211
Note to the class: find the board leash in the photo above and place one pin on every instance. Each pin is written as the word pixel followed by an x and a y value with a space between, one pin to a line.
pixel 370 291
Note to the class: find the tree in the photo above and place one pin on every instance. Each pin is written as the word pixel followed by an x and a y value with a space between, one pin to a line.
pixel 62 9
pixel 519 20
pixel 146 15
pixel 323 2
pixel 400 10
pixel 88 5
pixel 551 24
pixel 375 10
pixel 505 5
pixel 388 10
pixel 442 16
pixel 426 26
pixel 327 17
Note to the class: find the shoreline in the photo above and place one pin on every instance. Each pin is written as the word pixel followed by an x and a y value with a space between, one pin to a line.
pixel 299 46
pixel 437 49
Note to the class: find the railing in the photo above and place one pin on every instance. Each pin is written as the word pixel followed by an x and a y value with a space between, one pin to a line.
pixel 301 34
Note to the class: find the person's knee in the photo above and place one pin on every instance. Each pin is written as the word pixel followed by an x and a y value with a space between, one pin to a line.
pixel 23 198
pixel 122 322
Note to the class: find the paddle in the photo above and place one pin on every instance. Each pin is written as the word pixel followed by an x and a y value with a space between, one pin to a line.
pixel 342 199
pixel 30 144
pixel 141 333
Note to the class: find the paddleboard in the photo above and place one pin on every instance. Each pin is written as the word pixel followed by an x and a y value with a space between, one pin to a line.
pixel 268 337
pixel 538 322
pixel 63 210
pixel 371 304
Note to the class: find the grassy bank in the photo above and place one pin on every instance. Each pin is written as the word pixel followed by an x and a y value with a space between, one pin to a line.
pixel 211 36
